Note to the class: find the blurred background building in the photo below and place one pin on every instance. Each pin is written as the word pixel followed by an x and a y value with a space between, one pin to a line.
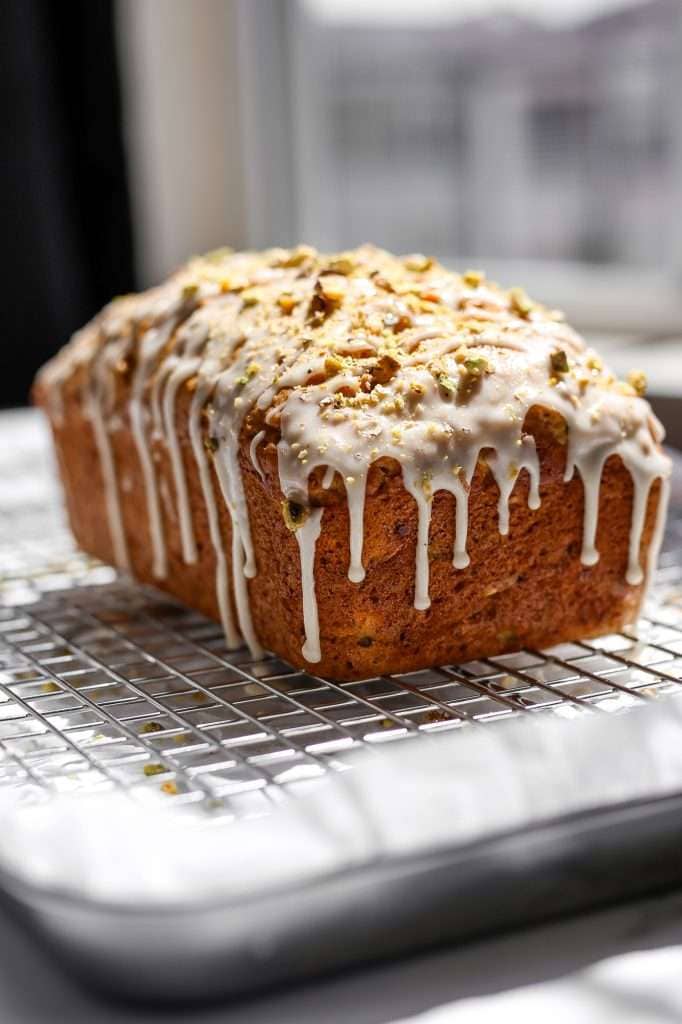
pixel 541 139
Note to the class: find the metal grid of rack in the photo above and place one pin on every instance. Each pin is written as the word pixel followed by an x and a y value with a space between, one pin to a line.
pixel 105 685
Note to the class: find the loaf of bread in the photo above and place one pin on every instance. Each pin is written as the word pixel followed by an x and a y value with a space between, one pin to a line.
pixel 362 463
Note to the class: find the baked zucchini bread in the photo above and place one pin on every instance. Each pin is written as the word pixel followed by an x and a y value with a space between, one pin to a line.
pixel 365 464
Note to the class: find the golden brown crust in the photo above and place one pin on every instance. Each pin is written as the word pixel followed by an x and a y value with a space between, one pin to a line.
pixel 527 589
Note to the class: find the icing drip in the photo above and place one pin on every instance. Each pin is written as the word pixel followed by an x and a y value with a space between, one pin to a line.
pixel 239 573
pixel 642 482
pixel 657 538
pixel 422 600
pixel 180 375
pixel 460 558
pixel 150 349
pixel 355 494
pixel 352 359
pixel 232 636
pixel 113 503
pixel 95 403
pixel 253 453
pixel 307 539
pixel 590 469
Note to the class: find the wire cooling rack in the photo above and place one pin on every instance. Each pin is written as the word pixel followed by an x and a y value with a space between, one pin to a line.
pixel 107 685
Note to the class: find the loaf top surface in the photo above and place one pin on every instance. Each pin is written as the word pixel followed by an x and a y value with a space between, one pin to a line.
pixel 382 353
pixel 358 356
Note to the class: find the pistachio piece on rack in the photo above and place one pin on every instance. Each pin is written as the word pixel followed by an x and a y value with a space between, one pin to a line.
pixel 294 515
pixel 154 769
pixel 638 382
pixel 151 727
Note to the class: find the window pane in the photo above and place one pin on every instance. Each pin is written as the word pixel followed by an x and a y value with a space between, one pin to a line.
pixel 510 130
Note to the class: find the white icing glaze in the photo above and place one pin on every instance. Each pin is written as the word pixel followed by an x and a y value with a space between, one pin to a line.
pixel 253 453
pixel 151 346
pixel 307 539
pixel 180 375
pixel 95 408
pixel 354 359
pixel 113 504
pixel 657 538
pixel 232 637
pixel 239 573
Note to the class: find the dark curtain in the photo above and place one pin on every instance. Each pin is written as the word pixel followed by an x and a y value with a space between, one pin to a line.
pixel 66 237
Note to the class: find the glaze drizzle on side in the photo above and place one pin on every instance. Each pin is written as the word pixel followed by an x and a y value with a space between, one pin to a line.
pixel 346 360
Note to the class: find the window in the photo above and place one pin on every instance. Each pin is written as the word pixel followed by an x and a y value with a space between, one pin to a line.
pixel 542 140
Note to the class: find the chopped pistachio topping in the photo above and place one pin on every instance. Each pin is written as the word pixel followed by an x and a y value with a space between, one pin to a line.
pixel 385 368
pixel 476 366
pixel 418 263
pixel 638 382
pixel 154 769
pixel 151 727
pixel 333 364
pixel 473 278
pixel 446 382
pixel 297 256
pixel 251 371
pixel 558 362
pixel 287 302
pixel 341 265
pixel 333 287
pixel 520 303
